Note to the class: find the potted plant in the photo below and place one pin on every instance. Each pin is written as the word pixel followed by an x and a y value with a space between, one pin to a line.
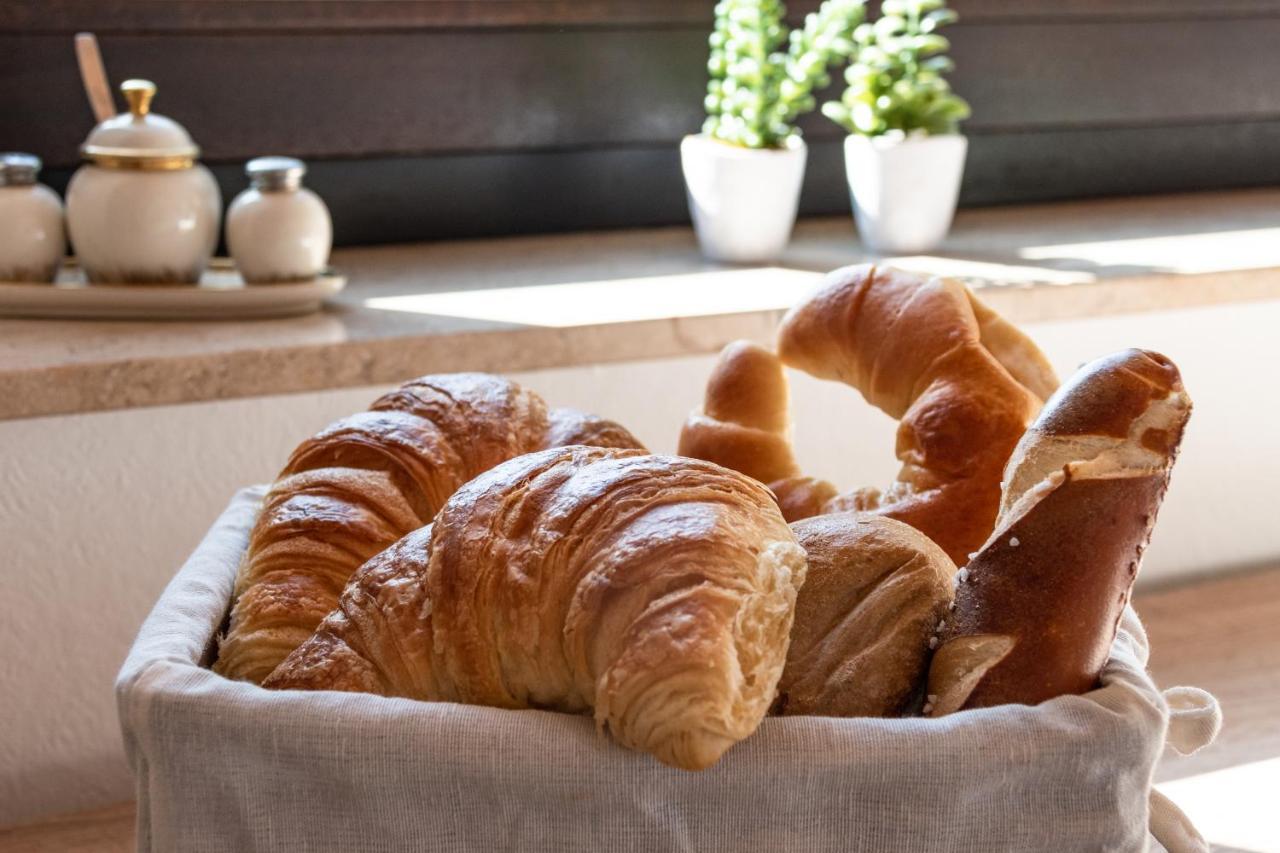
pixel 743 172
pixel 904 155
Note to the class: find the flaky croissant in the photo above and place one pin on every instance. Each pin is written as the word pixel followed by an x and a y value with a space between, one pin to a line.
pixel 365 481
pixel 963 383
pixel 656 592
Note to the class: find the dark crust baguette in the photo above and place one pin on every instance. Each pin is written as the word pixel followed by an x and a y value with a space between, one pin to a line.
pixel 1037 608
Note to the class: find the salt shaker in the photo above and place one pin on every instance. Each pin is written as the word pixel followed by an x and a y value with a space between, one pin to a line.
pixel 278 230
pixel 32 240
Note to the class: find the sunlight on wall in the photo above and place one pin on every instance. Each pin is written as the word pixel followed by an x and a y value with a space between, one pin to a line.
pixel 989 271
pixel 697 294
pixel 586 303
pixel 1254 248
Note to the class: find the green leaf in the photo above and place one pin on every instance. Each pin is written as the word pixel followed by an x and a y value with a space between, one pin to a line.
pixel 864 118
pixel 932 43
pixel 889 26
pixel 939 18
pixel 938 64
pixel 837 112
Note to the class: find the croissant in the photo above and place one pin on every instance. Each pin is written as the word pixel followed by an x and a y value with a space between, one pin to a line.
pixel 365 481
pixel 963 383
pixel 1036 610
pixel 656 592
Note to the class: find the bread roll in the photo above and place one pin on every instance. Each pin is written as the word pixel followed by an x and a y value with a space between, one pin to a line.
pixel 872 599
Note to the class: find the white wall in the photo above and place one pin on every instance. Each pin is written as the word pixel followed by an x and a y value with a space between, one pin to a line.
pixel 97 511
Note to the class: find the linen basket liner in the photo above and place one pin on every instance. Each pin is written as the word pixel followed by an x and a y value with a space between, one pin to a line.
pixel 223 765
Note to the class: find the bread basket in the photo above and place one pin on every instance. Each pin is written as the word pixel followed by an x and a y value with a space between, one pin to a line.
pixel 224 765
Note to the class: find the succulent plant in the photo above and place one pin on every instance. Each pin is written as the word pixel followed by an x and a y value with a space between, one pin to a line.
pixel 757 90
pixel 896 81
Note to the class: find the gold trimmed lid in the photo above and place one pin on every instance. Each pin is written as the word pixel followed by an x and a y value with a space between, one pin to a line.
pixel 140 139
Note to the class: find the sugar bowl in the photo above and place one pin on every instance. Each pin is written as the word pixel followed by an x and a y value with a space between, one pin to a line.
pixel 142 209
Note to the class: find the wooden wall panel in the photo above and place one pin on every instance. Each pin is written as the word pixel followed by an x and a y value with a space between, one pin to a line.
pixel 397 199
pixel 443 118
pixel 322 95
pixel 133 16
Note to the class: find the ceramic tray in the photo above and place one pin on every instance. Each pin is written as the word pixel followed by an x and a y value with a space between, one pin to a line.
pixel 221 294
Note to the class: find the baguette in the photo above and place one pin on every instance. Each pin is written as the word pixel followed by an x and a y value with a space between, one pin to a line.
pixel 1037 608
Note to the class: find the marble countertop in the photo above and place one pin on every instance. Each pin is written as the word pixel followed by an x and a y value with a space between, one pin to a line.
pixel 526 303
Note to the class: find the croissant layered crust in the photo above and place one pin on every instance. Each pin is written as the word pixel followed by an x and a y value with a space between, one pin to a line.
pixel 362 483
pixel 656 593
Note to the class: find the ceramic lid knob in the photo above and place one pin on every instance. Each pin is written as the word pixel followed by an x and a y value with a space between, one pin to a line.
pixel 138 93
pixel 140 138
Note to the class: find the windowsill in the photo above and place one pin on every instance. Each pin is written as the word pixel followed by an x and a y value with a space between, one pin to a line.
pixel 536 302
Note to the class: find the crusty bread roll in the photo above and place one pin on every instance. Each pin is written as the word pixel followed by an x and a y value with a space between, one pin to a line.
pixel 656 592
pixel 872 599
pixel 362 483
pixel 1037 609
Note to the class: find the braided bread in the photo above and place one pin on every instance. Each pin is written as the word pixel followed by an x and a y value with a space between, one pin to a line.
pixel 963 383
pixel 363 482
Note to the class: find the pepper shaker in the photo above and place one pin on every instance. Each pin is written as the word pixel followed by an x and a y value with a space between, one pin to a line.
pixel 32 239
pixel 278 230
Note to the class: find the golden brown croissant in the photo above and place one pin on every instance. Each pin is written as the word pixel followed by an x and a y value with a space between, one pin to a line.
pixel 655 591
pixel 1037 609
pixel 367 480
pixel 872 599
pixel 963 382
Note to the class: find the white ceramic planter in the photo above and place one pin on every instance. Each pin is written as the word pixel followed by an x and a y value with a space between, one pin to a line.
pixel 904 189
pixel 743 200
